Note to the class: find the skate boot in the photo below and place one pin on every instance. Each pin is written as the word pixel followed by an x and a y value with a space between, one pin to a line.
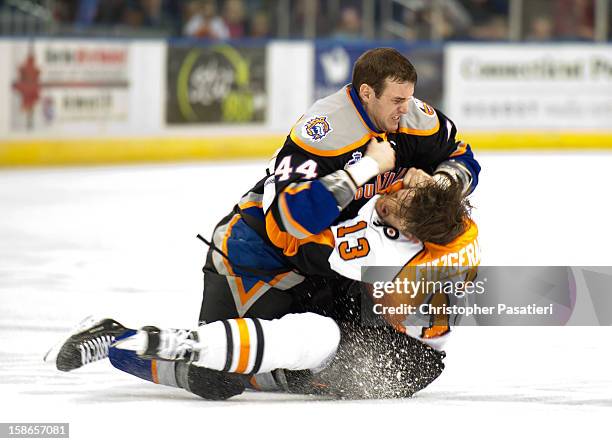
pixel 167 345
pixel 88 342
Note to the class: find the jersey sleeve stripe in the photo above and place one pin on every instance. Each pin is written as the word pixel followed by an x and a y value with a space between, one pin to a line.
pixel 290 244
pixel 246 205
pixel 461 149
pixel 292 226
pixel 295 188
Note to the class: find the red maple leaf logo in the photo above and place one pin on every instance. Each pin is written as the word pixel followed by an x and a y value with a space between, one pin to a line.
pixel 28 84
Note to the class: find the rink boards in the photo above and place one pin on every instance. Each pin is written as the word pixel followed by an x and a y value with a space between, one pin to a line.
pixel 87 101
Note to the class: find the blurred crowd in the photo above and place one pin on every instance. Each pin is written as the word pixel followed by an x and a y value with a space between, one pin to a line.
pixel 415 20
pixel 212 19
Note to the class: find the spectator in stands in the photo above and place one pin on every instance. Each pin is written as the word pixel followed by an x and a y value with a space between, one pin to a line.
pixel 349 25
pixel 201 20
pixel 110 12
pixel 489 19
pixel 259 26
pixel 234 17
pixel 142 13
pixel 445 20
pixel 298 21
pixel 64 11
pixel 86 13
pixel 575 19
pixel 541 29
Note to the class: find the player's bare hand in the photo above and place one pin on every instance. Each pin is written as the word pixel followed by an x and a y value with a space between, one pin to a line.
pixel 382 153
pixel 415 177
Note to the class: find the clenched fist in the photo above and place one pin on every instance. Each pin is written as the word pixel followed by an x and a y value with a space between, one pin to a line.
pixel 382 153
pixel 415 177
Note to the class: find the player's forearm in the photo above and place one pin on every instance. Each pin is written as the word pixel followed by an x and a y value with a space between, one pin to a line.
pixel 461 166
pixel 305 209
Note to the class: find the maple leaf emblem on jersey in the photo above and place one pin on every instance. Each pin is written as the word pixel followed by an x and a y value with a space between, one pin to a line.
pixel 317 128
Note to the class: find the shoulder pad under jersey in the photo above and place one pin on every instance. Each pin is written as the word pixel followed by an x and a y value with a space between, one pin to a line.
pixel 331 127
pixel 421 119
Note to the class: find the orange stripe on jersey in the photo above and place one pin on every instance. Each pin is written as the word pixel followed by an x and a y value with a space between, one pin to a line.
pixel 295 224
pixel 245 346
pixel 290 244
pixel 417 132
pixel 246 205
pixel 227 235
pixel 461 149
pixel 296 189
pixel 244 295
pixel 329 153
pixel 154 374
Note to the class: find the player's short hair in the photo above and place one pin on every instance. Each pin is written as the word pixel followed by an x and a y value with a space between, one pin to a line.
pixel 375 66
pixel 436 213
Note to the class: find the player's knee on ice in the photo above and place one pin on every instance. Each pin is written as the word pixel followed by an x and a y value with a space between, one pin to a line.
pixel 250 346
pixel 300 341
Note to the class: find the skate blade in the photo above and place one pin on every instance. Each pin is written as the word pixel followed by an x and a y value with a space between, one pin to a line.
pixel 51 356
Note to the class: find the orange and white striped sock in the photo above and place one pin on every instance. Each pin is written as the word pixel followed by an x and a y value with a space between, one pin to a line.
pixel 250 346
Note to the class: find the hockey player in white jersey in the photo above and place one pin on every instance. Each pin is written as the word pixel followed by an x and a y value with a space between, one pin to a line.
pixel 309 352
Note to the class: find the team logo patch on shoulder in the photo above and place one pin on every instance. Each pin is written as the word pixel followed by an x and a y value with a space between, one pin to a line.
pixel 424 107
pixel 317 128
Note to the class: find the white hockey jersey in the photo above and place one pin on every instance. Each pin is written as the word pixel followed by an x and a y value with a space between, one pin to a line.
pixel 365 242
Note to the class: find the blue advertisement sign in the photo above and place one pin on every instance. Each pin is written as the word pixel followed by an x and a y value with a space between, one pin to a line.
pixel 334 67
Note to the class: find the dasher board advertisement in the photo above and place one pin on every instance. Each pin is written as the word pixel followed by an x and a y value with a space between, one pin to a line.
pixel 529 87
pixel 69 85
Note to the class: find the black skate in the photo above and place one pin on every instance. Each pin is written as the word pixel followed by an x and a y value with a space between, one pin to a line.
pixel 88 342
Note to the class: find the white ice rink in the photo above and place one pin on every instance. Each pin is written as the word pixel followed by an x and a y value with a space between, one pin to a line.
pixel 121 241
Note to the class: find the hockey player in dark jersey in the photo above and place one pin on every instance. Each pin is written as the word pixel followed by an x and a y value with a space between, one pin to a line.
pixel 264 253
pixel 321 175
pixel 322 346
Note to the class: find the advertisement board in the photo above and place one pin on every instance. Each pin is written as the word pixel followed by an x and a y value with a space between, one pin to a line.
pixel 67 85
pixel 334 67
pixel 529 87
pixel 216 84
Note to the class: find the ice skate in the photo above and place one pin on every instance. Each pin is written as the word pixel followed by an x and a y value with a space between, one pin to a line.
pixel 88 342
pixel 169 345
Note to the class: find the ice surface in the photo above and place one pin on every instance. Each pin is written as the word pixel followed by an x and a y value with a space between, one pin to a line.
pixel 121 241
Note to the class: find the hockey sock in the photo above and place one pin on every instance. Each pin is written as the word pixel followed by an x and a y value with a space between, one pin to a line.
pixel 251 346
pixel 159 372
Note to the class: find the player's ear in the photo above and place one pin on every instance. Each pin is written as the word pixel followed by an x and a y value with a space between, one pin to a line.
pixel 382 208
pixel 365 92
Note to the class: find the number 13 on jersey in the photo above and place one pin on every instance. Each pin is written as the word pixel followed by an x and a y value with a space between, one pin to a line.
pixel 362 248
